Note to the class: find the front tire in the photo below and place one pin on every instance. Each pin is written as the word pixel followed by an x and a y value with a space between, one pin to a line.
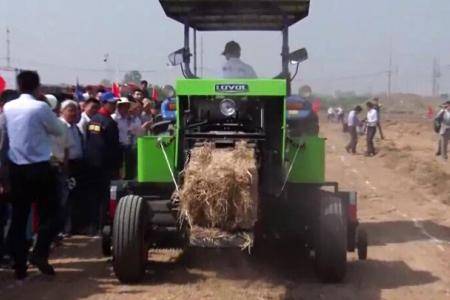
pixel 331 240
pixel 129 246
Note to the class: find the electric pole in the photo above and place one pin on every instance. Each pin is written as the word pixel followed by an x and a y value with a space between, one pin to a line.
pixel 8 49
pixel 389 72
pixel 195 52
pixel 201 56
pixel 435 77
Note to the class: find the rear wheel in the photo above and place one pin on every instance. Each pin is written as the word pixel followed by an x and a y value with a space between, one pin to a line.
pixel 129 245
pixel 331 240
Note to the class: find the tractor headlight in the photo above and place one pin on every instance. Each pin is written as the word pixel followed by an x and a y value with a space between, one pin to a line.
pixel 228 107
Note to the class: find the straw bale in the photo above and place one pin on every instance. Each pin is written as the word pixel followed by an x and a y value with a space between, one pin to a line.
pixel 220 188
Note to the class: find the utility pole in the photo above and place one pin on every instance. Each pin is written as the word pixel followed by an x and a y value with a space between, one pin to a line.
pixel 435 77
pixel 195 52
pixel 389 73
pixel 8 49
pixel 201 56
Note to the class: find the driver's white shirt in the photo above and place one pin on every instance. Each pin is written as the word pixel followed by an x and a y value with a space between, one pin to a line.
pixel 236 68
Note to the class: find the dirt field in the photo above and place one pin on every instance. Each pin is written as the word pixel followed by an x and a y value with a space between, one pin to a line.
pixel 404 200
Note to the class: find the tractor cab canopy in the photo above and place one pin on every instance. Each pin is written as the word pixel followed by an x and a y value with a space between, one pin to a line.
pixel 211 15
pixel 225 15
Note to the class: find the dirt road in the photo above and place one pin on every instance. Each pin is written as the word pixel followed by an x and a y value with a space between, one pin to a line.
pixel 401 207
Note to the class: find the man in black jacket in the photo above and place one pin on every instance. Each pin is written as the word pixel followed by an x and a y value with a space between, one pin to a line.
pixel 104 157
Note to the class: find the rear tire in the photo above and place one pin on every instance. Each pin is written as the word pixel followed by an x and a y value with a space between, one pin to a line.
pixel 331 240
pixel 129 246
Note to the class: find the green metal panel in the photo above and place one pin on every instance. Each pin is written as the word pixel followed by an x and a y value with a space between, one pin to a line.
pixel 255 87
pixel 152 166
pixel 309 166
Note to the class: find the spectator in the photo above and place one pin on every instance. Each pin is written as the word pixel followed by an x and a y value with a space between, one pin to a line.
pixel 340 114
pixel 443 123
pixel 378 108
pixel 372 122
pixel 129 130
pixel 30 124
pixel 91 107
pixel 144 88
pixel 353 123
pixel 104 158
pixel 330 114
pixel 168 107
pixel 59 162
pixel 6 96
pixel 138 96
pixel 74 162
pixel 148 111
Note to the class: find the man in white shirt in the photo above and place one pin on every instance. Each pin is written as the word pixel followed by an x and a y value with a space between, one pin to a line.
pixel 30 124
pixel 443 119
pixel 372 123
pixel 130 127
pixel 72 165
pixel 352 123
pixel 235 68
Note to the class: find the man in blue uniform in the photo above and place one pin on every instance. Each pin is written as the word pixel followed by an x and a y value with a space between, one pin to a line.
pixel 104 157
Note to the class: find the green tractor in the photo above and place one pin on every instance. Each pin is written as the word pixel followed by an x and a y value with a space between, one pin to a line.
pixel 295 201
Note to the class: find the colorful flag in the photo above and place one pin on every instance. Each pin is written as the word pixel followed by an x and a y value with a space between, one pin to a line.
pixel 155 95
pixel 2 84
pixel 116 89
pixel 79 92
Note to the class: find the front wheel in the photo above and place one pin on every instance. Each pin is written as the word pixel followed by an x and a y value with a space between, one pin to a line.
pixel 331 240
pixel 129 245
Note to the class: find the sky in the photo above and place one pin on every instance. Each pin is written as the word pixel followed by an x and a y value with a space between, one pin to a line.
pixel 349 43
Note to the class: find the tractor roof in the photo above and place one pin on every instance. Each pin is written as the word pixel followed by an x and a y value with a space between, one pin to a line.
pixel 210 15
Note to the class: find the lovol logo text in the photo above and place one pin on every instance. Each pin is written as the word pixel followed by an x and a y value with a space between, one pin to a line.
pixel 232 88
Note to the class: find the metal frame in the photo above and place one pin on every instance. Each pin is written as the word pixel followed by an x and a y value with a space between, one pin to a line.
pixel 285 74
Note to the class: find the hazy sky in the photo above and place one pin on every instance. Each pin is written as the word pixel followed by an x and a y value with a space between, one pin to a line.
pixel 349 42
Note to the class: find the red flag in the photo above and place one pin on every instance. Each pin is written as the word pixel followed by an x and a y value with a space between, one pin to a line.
pixel 155 95
pixel 2 84
pixel 116 89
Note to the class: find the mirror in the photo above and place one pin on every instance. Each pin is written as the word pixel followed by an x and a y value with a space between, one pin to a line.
pixel 176 58
pixel 298 56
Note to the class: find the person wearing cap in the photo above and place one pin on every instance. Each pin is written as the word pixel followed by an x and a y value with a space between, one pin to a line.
pixel 352 124
pixel 168 112
pixel 104 159
pixel 30 124
pixel 442 122
pixel 234 67
pixel 130 127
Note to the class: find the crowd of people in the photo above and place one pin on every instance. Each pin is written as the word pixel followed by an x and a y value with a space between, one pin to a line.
pixel 372 123
pixel 58 157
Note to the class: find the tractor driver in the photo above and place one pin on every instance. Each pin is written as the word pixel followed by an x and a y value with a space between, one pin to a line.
pixel 234 67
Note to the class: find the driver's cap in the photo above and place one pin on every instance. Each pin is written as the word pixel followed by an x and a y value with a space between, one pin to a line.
pixel 231 47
